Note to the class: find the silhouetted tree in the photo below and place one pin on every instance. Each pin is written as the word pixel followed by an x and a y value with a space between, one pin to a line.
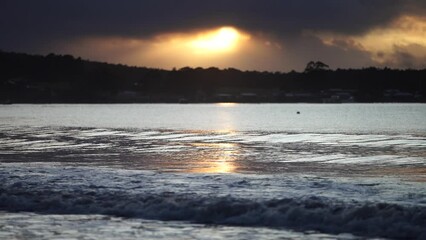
pixel 316 66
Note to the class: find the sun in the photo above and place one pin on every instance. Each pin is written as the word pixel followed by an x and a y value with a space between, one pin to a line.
pixel 224 39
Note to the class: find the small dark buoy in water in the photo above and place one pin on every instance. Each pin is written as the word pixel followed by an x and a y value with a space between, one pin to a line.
pixel 298 112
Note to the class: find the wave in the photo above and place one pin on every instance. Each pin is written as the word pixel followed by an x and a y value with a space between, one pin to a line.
pixel 365 219
pixel 141 195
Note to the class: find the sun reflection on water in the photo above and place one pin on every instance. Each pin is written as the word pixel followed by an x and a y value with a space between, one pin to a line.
pixel 220 158
pixel 226 104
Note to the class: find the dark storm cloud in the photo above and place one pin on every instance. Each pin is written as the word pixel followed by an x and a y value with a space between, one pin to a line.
pixel 42 26
pixel 26 22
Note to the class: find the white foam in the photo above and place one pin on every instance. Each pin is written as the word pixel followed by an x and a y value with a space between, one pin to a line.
pixel 367 207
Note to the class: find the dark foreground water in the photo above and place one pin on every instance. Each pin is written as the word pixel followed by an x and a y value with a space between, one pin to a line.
pixel 218 171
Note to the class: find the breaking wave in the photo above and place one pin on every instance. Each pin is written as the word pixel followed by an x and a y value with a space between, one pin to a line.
pixel 134 197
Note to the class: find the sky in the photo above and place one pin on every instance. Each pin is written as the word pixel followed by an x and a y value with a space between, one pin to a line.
pixel 263 35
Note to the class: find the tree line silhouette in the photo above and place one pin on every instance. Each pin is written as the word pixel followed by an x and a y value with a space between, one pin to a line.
pixel 55 78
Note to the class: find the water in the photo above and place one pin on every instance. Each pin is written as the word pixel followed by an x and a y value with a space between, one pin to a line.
pixel 213 171
pixel 313 118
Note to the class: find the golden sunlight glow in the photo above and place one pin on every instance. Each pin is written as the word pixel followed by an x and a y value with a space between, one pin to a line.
pixel 221 160
pixel 405 35
pixel 224 39
pixel 223 166
pixel 227 104
pixel 221 47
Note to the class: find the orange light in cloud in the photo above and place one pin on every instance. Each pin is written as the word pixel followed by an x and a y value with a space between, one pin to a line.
pixel 221 47
pixel 207 43
pixel 404 35
pixel 221 40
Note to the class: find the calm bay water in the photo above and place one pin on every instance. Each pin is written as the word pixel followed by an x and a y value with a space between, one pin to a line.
pixel 318 118
pixel 213 171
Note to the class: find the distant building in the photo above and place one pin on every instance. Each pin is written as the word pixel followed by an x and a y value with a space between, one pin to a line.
pixel 396 95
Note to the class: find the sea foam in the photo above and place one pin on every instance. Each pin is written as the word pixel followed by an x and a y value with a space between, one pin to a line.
pixel 364 208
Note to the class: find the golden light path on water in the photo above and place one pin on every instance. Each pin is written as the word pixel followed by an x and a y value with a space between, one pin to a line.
pixel 227 104
pixel 222 156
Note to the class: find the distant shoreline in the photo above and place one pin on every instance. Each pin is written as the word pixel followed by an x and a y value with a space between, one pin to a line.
pixel 200 103
pixel 64 79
